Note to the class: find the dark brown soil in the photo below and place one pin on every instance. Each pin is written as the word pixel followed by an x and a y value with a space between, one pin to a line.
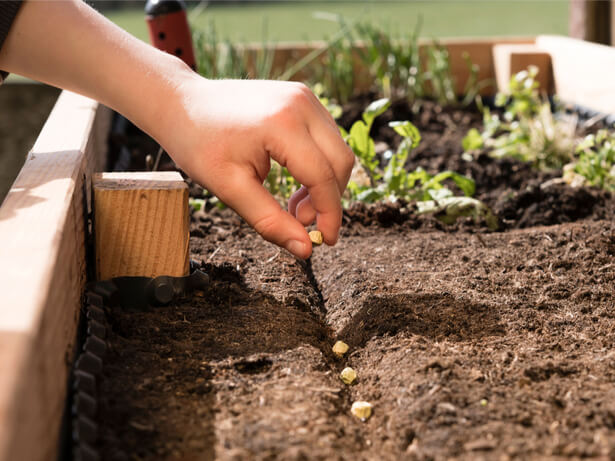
pixel 469 344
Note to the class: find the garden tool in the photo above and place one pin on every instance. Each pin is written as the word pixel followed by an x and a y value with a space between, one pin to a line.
pixel 169 31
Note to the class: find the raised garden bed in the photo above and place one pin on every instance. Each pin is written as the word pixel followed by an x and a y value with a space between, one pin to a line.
pixel 469 343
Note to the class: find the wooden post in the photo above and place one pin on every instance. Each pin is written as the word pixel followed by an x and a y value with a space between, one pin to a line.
pixel 590 20
pixel 141 224
pixel 42 276
pixel 510 59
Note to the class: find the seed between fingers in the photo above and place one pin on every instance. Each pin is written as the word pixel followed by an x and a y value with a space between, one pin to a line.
pixel 315 237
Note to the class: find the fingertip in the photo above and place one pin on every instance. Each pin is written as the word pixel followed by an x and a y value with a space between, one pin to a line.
pixel 330 227
pixel 301 249
pixel 295 199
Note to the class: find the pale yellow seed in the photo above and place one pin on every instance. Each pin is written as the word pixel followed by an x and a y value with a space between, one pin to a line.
pixel 362 410
pixel 315 237
pixel 340 348
pixel 348 375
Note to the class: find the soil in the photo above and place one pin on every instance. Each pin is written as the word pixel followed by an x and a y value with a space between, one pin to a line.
pixel 469 344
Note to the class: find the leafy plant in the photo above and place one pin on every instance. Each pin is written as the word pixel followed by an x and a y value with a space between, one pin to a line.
pixel 337 71
pixel 360 141
pixel 595 163
pixel 393 181
pixel 334 109
pixel 280 182
pixel 222 58
pixel 528 130
pixel 439 75
pixel 394 65
pixel 206 202
pixel 448 208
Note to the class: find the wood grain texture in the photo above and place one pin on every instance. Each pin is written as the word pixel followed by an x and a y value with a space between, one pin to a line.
pixel 478 50
pixel 582 71
pixel 141 224
pixel 510 59
pixel 42 276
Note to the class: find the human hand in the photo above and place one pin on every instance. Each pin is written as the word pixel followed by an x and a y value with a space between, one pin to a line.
pixel 221 132
pixel 225 135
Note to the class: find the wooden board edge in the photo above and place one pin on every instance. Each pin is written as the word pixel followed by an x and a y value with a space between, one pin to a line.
pixel 42 278
pixel 479 50
pixel 581 71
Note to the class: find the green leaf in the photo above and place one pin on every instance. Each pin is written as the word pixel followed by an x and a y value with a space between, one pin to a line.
pixel 359 137
pixel 466 184
pixel 472 141
pixel 196 203
pixel 449 209
pixel 408 131
pixel 375 109
pixel 370 195
pixel 439 194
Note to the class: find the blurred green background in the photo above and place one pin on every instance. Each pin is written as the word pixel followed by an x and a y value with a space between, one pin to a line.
pixel 302 20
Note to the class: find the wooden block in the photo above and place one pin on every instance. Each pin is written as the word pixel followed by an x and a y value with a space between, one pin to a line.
pixel 582 71
pixel 141 224
pixel 510 59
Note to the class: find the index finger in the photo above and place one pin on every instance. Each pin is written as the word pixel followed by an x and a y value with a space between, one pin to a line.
pixel 308 165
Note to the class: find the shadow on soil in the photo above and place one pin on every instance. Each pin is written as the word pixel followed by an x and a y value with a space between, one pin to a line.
pixel 160 380
pixel 431 315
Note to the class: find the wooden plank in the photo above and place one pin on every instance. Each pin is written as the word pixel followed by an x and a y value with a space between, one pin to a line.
pixel 590 20
pixel 42 276
pixel 582 71
pixel 510 59
pixel 141 224
pixel 479 51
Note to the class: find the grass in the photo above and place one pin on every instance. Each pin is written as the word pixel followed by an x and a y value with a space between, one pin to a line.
pixel 295 21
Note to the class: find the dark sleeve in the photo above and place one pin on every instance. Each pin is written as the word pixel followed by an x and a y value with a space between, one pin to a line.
pixel 8 11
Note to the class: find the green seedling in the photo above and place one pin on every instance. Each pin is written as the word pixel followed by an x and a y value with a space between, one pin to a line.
pixel 448 209
pixel 393 64
pixel 222 58
pixel 280 182
pixel 595 162
pixel 334 109
pixel 528 130
pixel 394 182
pixel 360 141
pixel 202 203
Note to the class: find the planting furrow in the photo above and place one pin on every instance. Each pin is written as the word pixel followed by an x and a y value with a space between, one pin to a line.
pixel 242 371
pixel 478 345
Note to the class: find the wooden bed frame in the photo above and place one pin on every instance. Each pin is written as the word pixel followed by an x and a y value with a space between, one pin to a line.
pixel 43 230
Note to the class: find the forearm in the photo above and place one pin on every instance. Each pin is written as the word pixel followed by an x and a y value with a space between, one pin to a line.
pixel 222 133
pixel 69 45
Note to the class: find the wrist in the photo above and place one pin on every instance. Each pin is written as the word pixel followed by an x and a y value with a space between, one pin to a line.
pixel 154 100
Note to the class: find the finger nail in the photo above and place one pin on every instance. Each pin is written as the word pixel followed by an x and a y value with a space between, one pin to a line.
pixel 296 247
